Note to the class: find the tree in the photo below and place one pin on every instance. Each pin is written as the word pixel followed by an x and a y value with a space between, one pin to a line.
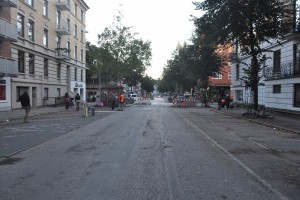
pixel 129 56
pixel 249 23
pixel 147 84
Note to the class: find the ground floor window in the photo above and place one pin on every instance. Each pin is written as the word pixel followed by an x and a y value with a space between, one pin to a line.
pixel 20 91
pixel 46 93
pixel 239 95
pixel 2 90
pixel 297 95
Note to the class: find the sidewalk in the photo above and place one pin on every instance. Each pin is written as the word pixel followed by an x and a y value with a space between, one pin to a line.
pixel 281 121
pixel 17 114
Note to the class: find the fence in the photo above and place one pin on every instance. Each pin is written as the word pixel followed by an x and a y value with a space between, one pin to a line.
pixel 185 102
pixel 53 101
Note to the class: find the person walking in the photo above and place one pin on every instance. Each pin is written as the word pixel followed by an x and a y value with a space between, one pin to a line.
pixel 77 100
pixel 121 101
pixel 25 103
pixel 67 99
pixel 113 100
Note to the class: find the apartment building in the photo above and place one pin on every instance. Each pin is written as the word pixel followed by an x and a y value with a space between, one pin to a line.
pixel 280 87
pixel 50 50
pixel 8 64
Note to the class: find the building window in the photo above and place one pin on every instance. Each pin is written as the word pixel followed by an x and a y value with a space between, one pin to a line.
pixel 69 48
pixel 81 35
pixel 2 90
pixel 277 60
pixel 58 41
pixel 75 10
pixel 31 30
pixel 237 72
pixel 217 76
pixel 58 18
pixel 58 70
pixel 68 25
pixel 58 93
pixel 45 37
pixel 81 55
pixel 20 25
pixel 297 95
pixel 276 89
pixel 30 2
pixel 75 74
pixel 20 91
pixel 21 63
pixel 31 63
pixel 45 8
pixel 81 15
pixel 75 31
pixel 46 93
pixel 46 66
pixel 81 76
pixel 75 52
pixel 297 58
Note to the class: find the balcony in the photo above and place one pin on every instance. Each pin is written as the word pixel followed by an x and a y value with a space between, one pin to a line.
pixel 287 70
pixel 8 67
pixel 63 5
pixel 8 3
pixel 62 54
pixel 8 31
pixel 62 28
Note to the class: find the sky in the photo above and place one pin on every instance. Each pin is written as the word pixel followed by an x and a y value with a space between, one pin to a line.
pixel 163 22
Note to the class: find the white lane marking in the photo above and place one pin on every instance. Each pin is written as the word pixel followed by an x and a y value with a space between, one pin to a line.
pixel 258 144
pixel 250 171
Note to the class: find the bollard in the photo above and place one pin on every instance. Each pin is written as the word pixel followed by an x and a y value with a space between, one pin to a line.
pixel 86 110
pixel 93 111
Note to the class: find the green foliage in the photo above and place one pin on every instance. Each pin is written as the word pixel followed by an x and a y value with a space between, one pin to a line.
pixel 128 56
pixel 147 84
pixel 248 23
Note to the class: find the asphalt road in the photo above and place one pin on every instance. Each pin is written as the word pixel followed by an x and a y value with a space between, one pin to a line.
pixel 150 152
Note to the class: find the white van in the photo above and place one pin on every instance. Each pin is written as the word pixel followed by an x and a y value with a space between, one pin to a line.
pixel 134 97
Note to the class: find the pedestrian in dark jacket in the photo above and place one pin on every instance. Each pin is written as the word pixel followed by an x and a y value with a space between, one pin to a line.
pixel 113 100
pixel 67 100
pixel 25 103
pixel 77 100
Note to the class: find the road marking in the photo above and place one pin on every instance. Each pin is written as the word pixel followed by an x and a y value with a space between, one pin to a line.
pixel 258 144
pixel 250 171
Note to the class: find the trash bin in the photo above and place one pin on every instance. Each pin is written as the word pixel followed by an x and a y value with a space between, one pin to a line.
pixel 93 111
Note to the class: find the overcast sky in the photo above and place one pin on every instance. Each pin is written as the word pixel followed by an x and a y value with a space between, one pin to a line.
pixel 163 22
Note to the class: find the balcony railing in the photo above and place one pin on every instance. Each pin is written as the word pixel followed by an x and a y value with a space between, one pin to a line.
pixel 8 3
pixel 63 28
pixel 62 54
pixel 8 67
pixel 63 4
pixel 8 30
pixel 286 70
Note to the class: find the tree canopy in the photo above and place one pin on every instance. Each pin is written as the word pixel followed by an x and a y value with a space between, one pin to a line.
pixel 248 23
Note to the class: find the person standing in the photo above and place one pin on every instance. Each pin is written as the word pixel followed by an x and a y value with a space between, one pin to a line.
pixel 25 103
pixel 121 101
pixel 113 100
pixel 77 100
pixel 67 99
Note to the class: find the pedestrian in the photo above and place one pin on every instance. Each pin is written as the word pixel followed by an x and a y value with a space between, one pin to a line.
pixel 67 99
pixel 113 100
pixel 77 100
pixel 25 103
pixel 121 101
pixel 219 103
pixel 227 101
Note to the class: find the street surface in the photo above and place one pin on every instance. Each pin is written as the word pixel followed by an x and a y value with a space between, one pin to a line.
pixel 147 152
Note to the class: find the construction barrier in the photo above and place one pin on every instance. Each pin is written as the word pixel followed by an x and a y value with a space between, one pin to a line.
pixel 143 101
pixel 185 102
